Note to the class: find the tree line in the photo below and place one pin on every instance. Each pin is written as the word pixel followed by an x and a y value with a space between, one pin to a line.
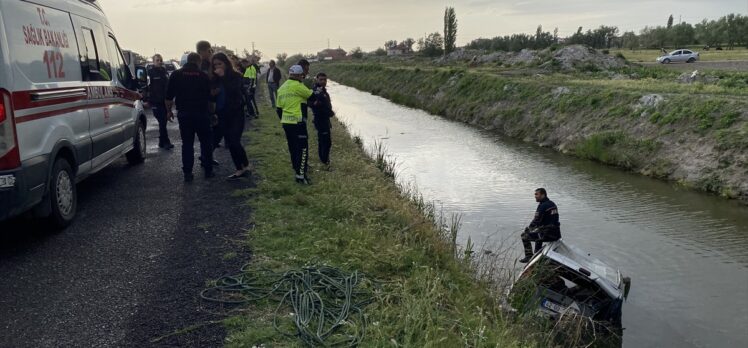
pixel 729 31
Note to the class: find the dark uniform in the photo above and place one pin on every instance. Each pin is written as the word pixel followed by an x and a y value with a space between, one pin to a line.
pixel 191 88
pixel 322 109
pixel 157 98
pixel 545 227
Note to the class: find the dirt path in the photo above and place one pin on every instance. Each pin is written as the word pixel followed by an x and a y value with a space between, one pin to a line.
pixel 130 268
pixel 727 65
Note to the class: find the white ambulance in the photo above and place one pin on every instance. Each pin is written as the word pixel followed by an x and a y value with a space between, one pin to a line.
pixel 68 105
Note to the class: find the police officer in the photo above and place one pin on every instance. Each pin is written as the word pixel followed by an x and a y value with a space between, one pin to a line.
pixel 159 80
pixel 322 109
pixel 250 83
pixel 191 88
pixel 545 227
pixel 291 109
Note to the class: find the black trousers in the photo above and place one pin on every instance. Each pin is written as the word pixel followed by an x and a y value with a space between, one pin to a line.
pixel 324 140
pixel 193 123
pixel 218 133
pixel 232 124
pixel 249 97
pixel 298 145
pixel 539 235
pixel 159 112
pixel 253 101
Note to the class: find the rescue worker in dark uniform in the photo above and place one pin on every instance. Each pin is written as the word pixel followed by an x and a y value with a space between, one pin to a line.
pixel 545 226
pixel 159 81
pixel 322 109
pixel 191 88
pixel 291 108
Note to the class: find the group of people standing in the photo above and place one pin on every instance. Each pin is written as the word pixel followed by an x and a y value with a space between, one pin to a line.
pixel 215 93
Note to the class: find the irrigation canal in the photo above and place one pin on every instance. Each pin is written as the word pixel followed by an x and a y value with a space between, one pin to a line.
pixel 686 252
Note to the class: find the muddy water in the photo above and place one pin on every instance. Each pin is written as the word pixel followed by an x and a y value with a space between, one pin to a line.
pixel 686 252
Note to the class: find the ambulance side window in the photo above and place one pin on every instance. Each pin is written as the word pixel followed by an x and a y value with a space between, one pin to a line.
pixel 89 57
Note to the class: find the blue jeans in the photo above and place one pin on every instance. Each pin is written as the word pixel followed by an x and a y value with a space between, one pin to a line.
pixel 272 92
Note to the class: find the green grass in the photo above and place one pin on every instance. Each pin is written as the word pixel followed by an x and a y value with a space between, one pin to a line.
pixel 649 56
pixel 356 218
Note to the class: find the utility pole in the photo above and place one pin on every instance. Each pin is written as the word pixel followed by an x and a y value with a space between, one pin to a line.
pixel 328 43
pixel 253 48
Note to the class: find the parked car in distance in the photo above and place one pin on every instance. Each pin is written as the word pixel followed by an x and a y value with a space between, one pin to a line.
pixel 679 56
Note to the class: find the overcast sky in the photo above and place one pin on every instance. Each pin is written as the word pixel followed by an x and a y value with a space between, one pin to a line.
pixel 171 27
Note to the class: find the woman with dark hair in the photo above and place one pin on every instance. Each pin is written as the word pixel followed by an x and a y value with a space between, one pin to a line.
pixel 229 110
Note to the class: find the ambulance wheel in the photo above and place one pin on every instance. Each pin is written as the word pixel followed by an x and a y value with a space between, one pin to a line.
pixel 137 154
pixel 63 194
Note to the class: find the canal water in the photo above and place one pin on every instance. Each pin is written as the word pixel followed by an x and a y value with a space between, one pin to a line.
pixel 686 252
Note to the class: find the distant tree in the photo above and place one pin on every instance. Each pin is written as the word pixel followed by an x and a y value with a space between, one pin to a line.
pixel 555 35
pixel 357 53
pixel 379 52
pixel 390 44
pixel 629 40
pixel 450 30
pixel 408 43
pixel 682 34
pixel 670 22
pixel 432 45
pixel 280 59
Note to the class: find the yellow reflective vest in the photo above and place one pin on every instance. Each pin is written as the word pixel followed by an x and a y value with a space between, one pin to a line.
pixel 292 97
pixel 251 72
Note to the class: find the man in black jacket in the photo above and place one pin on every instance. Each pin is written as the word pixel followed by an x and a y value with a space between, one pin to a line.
pixel 191 88
pixel 273 79
pixel 322 109
pixel 545 226
pixel 159 81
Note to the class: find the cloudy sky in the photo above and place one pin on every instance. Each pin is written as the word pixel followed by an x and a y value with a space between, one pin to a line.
pixel 302 26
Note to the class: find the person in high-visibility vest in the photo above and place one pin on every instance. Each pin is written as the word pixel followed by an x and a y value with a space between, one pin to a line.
pixel 291 105
pixel 250 81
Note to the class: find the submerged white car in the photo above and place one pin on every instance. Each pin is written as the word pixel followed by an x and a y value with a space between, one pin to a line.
pixel 679 56
pixel 562 279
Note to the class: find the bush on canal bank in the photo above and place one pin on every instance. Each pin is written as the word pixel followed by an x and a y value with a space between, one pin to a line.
pixel 638 119
pixel 356 218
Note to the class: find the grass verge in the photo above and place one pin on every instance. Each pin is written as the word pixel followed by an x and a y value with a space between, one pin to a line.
pixel 356 218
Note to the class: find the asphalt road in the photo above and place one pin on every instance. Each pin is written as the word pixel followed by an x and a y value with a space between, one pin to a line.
pixel 130 268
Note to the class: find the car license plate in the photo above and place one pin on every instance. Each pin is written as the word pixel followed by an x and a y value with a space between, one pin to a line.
pixel 553 306
pixel 7 181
